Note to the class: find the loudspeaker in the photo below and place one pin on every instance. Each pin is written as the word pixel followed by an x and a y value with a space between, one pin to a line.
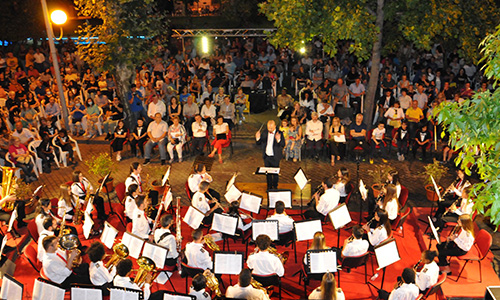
pixel 258 101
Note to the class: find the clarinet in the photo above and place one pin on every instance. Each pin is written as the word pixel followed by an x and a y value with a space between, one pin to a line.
pixel 178 234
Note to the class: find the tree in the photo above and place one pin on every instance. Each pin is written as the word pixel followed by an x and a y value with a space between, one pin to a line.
pixel 474 129
pixel 128 36
pixel 362 23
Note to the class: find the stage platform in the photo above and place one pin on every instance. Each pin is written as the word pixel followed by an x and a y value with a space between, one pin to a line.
pixel 353 285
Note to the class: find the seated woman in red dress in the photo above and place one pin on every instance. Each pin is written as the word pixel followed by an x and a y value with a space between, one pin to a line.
pixel 222 137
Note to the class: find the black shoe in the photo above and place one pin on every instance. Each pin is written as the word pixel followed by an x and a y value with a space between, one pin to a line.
pixel 146 162
pixel 163 162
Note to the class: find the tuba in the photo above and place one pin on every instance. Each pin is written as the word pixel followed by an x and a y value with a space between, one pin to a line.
pixel 257 285
pixel 212 282
pixel 146 266
pixel 209 240
pixel 120 252
pixel 70 242
pixel 282 256
pixel 8 182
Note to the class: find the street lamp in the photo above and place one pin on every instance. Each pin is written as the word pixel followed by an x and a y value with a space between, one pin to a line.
pixel 58 17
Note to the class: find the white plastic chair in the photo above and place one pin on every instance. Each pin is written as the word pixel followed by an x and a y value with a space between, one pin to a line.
pixel 18 171
pixel 32 147
pixel 63 155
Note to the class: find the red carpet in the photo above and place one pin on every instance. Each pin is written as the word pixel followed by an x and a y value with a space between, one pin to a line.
pixel 352 284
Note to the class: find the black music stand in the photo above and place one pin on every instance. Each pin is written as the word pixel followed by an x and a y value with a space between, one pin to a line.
pixel 386 253
pixel 111 210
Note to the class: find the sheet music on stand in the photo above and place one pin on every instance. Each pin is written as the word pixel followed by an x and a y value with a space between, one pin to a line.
pixel 228 263
pixel 168 200
pixel 165 177
pixel 340 216
pixel 274 196
pixel 82 293
pixel 267 170
pixel 156 252
pixel 116 293
pixel 250 202
pixel 231 181
pixel 305 230
pixel 436 188
pixel 4 243
pixel 387 253
pixel 13 217
pixel 301 178
pixel 108 235
pixel 134 244
pixel 45 290
pixel 434 231
pixel 11 288
pixel 168 295
pixel 267 227
pixel 88 223
pixel 225 223
pixel 362 190
pixel 232 194
pixel 321 261
pixel 193 217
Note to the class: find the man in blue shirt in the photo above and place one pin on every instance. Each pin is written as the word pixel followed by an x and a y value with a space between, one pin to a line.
pixel 358 135
pixel 134 98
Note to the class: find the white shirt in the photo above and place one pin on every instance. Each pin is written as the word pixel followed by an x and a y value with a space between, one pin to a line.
pixel 199 129
pixel 465 240
pixel 194 181
pixel 130 206
pixel 317 295
pixel 41 250
pixel 355 248
pixel 79 190
pixel 328 201
pixel 24 136
pixel 197 257
pixel 157 129
pixel 285 222
pixel 465 208
pixel 167 242
pixel 378 134
pixel 200 295
pixel 314 130
pixel 159 107
pixel 99 274
pixel 377 235
pixel 269 145
pixel 340 186
pixel 392 208
pixel 428 276
pixel 54 267
pixel 208 112
pixel 133 179
pixel 248 293
pixel 327 112
pixel 140 224
pixel 62 207
pixel 218 129
pixel 200 202
pixel 126 282
pixel 265 263
pixel 405 102
pixel 395 113
pixel 405 292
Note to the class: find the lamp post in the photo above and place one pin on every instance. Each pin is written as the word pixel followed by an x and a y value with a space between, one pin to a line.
pixel 60 16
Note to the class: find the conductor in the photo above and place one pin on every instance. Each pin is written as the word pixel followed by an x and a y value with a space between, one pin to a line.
pixel 272 143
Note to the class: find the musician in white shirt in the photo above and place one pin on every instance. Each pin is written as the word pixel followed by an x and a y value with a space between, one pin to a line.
pixel 285 223
pixel 99 275
pixel 65 203
pixel 165 238
pixel 458 243
pixel 244 289
pixel 355 245
pixel 382 230
pixel 130 204
pixel 122 279
pixel 199 128
pixel 44 211
pixel 196 255
pixel 390 202
pixel 198 286
pixel 49 225
pixel 465 208
pixel 324 204
pixel 407 290
pixel 135 178
pixel 327 289
pixel 263 262
pixel 80 187
pixel 207 207
pixel 429 274
pixel 141 222
pixel 200 174
pixel 314 135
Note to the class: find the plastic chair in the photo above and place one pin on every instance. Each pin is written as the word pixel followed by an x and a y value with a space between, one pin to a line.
pixel 353 262
pixel 478 252
pixel 38 161
pixel 400 220
pixel 436 287
pixel 31 255
pixel 63 155
pixel 18 171
pixel 229 143
pixel 120 191
pixel 33 231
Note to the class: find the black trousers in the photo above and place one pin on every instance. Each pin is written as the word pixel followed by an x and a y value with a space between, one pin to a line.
pixel 354 143
pixel 314 147
pixel 208 219
pixel 448 249
pixel 80 275
pixel 198 144
pixel 272 179
pixel 134 144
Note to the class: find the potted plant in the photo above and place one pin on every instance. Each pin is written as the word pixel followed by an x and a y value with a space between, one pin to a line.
pixel 379 176
pixel 101 165
pixel 156 176
pixel 437 171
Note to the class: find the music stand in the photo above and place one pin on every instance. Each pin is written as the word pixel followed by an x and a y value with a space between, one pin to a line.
pixel 250 202
pixel 434 235
pixel 340 217
pixel 386 254
pixel 43 288
pixel 301 180
pixel 85 291
pixel 118 293
pixel 438 192
pixel 321 261
pixel 168 295
pixel 11 288
pixel 228 263
pixel 129 240
pixel 111 210
pixel 274 196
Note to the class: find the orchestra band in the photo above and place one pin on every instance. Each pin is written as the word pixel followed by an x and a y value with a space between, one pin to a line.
pixel 64 265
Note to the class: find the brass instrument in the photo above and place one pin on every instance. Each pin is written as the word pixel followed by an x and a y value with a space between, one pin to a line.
pixel 77 218
pixel 212 282
pixel 120 251
pixel 64 231
pixel 178 233
pixel 319 190
pixel 8 187
pixel 282 256
pixel 209 240
pixel 146 266
pixel 257 285
pixel 70 242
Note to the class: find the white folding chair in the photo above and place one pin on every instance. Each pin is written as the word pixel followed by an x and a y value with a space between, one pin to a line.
pixel 63 155
pixel 32 148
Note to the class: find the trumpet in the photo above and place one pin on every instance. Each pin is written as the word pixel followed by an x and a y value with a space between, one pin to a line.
pixel 209 240
pixel 212 282
pixel 120 252
pixel 282 256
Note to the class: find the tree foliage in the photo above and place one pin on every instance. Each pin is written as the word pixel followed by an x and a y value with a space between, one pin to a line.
pixel 474 129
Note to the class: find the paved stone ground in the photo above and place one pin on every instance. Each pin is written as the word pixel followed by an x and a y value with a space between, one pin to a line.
pixel 245 159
